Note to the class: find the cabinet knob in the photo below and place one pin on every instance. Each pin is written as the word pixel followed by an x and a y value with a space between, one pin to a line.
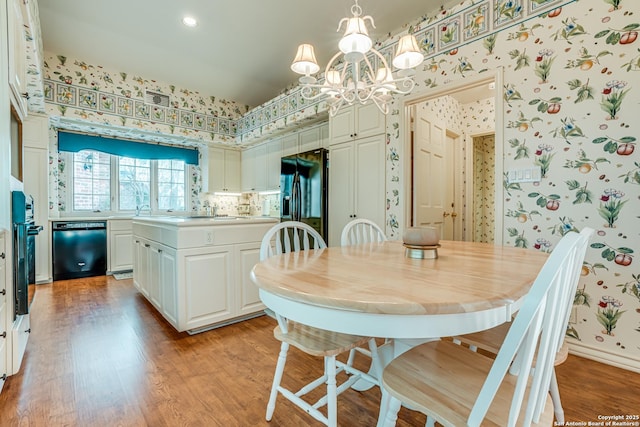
pixel 28 331
pixel 146 245
pixel 2 255
pixel 4 377
pixel 3 292
pixel 4 334
pixel 25 95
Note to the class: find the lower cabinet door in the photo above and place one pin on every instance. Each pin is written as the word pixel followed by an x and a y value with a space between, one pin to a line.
pixel 208 286
pixel 247 296
pixel 168 286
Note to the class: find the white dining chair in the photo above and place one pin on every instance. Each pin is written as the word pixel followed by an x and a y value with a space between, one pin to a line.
pixel 361 230
pixel 357 232
pixel 293 236
pixel 456 386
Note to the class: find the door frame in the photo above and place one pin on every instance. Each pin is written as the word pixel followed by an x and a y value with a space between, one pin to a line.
pixel 426 94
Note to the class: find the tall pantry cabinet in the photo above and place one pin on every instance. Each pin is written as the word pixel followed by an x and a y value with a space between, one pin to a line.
pixel 356 168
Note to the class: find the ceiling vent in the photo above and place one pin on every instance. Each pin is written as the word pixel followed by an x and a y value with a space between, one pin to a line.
pixel 155 98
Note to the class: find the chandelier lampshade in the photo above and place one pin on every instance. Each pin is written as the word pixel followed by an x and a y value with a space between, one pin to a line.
pixel 364 75
pixel 356 37
pixel 408 54
pixel 305 61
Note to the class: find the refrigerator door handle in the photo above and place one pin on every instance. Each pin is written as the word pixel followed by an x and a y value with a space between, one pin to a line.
pixel 294 195
pixel 298 200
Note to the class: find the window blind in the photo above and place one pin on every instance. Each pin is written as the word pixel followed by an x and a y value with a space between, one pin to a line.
pixel 74 142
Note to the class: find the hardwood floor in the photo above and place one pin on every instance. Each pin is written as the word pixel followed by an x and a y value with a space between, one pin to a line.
pixel 100 355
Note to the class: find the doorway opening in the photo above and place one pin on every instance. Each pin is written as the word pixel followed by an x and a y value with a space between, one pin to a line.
pixel 455 167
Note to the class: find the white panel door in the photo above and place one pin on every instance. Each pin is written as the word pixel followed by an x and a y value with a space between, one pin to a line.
pixel 429 173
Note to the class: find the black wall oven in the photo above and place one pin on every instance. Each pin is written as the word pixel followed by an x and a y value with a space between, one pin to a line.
pixel 24 249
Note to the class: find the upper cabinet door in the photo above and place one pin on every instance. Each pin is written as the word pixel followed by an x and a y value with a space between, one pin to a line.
pixel 342 126
pixel 17 56
pixel 369 121
pixel 309 139
pixel 224 170
pixel 356 121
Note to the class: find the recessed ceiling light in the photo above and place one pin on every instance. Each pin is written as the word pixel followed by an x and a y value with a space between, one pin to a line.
pixel 189 21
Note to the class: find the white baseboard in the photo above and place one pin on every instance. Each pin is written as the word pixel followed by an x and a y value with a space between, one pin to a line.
pixel 603 356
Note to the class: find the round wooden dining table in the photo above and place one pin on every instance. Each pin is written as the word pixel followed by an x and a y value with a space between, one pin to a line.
pixel 376 290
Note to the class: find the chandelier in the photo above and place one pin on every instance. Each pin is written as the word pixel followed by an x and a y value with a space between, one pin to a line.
pixel 363 74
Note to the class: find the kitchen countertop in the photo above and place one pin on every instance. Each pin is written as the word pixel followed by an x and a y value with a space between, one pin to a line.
pixel 176 220
pixel 192 221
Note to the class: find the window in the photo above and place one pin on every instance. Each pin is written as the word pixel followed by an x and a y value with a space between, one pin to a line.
pixel 171 185
pixel 91 181
pixel 135 184
pixel 104 182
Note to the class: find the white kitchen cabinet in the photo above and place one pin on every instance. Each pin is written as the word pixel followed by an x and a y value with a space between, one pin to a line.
pixel 198 277
pixel 17 55
pixel 120 245
pixel 36 184
pixel 224 170
pixel 168 285
pixel 356 183
pixel 356 121
pixel 313 138
pixel 154 272
pixel 248 299
pixel 142 249
pixel 208 286
pixel 254 168
pixel 154 275
pixel 274 154
pixel 4 372
pixel 35 141
pixel 289 144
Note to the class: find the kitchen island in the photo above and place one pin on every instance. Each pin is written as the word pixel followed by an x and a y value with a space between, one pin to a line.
pixel 196 270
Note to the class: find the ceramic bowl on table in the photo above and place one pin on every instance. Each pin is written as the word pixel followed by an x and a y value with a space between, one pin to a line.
pixel 421 242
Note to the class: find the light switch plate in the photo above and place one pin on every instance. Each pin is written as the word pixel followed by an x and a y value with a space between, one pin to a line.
pixel 532 174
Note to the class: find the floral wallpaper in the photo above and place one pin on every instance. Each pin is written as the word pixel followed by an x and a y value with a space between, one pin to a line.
pixel 570 94
pixel 91 92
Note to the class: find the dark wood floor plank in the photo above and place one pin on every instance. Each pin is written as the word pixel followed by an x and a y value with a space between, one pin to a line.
pixel 100 355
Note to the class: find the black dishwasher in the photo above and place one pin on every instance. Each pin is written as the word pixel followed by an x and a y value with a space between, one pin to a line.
pixel 79 249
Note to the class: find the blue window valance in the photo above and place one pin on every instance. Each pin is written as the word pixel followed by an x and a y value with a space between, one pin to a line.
pixel 75 142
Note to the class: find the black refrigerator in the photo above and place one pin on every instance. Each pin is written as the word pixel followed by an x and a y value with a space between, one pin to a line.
pixel 303 189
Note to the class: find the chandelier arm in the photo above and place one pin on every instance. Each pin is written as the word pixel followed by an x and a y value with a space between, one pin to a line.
pixel 307 92
pixel 382 105
pixel 407 85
